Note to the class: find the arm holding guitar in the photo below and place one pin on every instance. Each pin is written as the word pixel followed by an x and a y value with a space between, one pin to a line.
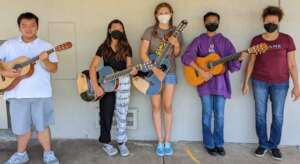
pixel 93 75
pixel 248 72
pixel 129 65
pixel 50 66
pixel 175 42
pixel 294 74
pixel 144 56
pixel 11 73
pixel 206 75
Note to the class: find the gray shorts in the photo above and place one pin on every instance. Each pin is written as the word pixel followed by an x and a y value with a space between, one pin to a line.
pixel 29 113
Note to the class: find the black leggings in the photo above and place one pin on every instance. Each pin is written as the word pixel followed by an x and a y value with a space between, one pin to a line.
pixel 107 107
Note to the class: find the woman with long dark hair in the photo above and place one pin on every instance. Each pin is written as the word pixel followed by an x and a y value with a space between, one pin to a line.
pixel 116 53
pixel 154 41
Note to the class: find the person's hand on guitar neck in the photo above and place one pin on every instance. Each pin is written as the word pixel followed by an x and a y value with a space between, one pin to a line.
pixel 243 56
pixel 44 58
pixel 133 71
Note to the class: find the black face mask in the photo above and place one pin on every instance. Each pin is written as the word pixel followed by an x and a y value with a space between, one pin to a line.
pixel 116 34
pixel 270 27
pixel 212 27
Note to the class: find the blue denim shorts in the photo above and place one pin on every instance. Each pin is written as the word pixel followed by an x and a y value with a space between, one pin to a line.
pixel 29 113
pixel 170 78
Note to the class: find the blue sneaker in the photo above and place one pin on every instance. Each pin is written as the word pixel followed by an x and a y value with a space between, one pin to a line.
pixel 160 150
pixel 168 149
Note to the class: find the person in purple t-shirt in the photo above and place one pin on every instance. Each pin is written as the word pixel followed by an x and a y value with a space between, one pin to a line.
pixel 217 88
pixel 270 73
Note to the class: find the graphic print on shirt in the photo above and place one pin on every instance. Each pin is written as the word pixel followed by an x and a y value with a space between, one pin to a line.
pixel 161 47
pixel 211 48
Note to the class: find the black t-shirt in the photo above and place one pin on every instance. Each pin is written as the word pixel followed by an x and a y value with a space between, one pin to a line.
pixel 111 60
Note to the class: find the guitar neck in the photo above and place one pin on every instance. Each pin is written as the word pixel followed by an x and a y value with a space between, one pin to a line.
pixel 118 74
pixel 166 50
pixel 32 60
pixel 225 60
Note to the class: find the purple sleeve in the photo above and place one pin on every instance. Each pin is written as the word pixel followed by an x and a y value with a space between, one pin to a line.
pixel 233 65
pixel 191 52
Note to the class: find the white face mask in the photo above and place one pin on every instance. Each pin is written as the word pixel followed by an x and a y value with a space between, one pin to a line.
pixel 164 18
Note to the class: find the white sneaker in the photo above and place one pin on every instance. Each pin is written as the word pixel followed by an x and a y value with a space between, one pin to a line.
pixel 18 158
pixel 49 158
pixel 124 152
pixel 110 149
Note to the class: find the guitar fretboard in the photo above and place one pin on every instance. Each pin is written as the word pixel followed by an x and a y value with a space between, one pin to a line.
pixel 117 75
pixel 32 60
pixel 224 60
pixel 165 51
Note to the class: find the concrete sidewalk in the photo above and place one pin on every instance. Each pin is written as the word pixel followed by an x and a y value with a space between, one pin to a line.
pixel 90 152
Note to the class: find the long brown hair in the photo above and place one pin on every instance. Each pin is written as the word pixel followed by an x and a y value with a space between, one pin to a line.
pixel 123 47
pixel 157 8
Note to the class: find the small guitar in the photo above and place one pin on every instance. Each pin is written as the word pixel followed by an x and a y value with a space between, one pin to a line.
pixel 214 64
pixel 107 78
pixel 145 81
pixel 26 67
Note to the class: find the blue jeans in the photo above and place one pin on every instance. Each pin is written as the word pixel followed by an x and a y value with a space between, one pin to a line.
pixel 277 93
pixel 213 104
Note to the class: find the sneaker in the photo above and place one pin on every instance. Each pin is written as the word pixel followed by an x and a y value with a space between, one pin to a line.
pixel 276 154
pixel 123 150
pixel 221 151
pixel 110 149
pixel 168 149
pixel 160 150
pixel 260 152
pixel 49 158
pixel 212 152
pixel 18 158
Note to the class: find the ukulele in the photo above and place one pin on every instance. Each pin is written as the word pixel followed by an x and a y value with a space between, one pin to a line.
pixel 214 64
pixel 26 67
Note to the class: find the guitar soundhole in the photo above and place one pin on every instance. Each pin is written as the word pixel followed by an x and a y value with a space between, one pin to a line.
pixel 196 73
pixel 2 78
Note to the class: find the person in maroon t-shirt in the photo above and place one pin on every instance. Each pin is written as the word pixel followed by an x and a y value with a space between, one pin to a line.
pixel 269 73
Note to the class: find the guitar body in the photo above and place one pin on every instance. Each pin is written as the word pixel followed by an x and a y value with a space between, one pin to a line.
pixel 7 83
pixel 84 86
pixel 146 82
pixel 26 67
pixel 84 83
pixel 192 76
pixel 107 86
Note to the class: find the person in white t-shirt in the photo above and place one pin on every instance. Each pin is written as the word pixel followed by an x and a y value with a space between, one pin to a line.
pixel 30 102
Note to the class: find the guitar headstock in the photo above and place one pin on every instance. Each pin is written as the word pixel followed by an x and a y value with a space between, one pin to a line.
pixel 258 49
pixel 63 46
pixel 182 25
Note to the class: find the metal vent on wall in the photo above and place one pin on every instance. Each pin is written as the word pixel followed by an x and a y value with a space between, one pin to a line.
pixel 132 119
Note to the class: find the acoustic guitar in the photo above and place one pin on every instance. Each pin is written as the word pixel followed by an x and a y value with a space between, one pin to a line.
pixel 214 64
pixel 146 81
pixel 26 66
pixel 107 79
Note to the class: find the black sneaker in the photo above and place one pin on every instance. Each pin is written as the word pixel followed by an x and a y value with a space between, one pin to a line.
pixel 221 151
pixel 212 152
pixel 260 152
pixel 276 154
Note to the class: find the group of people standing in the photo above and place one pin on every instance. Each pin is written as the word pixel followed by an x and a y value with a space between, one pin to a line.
pixel 269 73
